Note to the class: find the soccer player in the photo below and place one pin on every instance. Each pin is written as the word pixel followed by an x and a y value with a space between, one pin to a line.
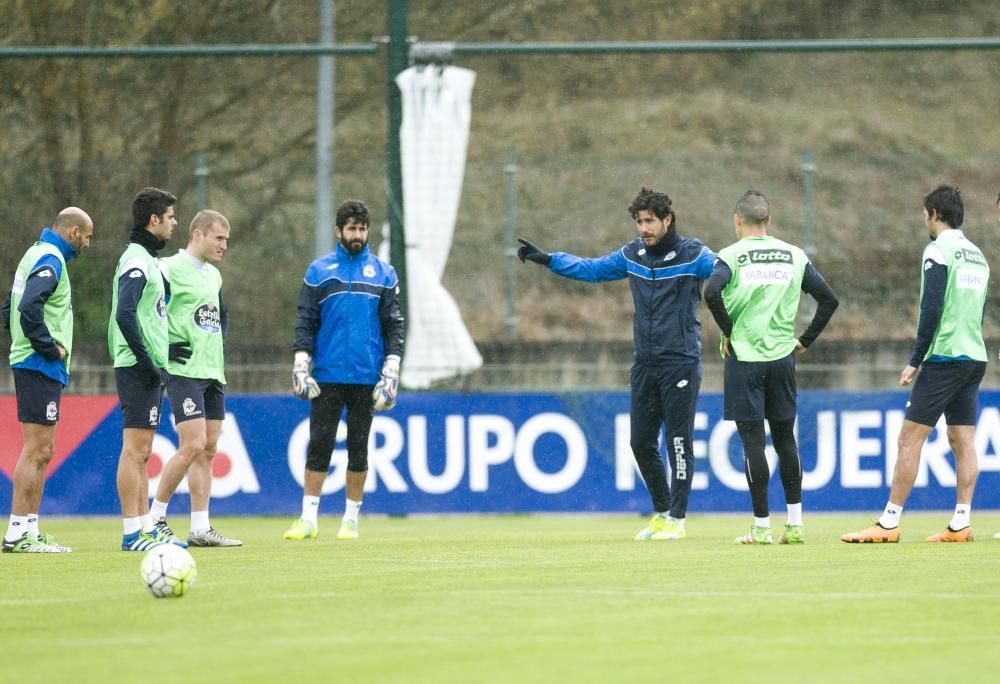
pixel 138 344
pixel 753 295
pixel 198 321
pixel 350 328
pixel 951 356
pixel 38 316
pixel 665 271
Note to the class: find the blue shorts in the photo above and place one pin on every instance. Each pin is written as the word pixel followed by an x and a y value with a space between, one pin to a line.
pixel 951 388
pixel 191 398
pixel 755 390
pixel 37 397
pixel 141 402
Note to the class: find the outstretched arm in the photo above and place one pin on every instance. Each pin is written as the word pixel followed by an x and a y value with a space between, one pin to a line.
pixel 609 267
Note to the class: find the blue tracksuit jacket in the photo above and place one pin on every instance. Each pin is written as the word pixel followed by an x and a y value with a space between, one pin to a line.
pixel 349 317
pixel 666 291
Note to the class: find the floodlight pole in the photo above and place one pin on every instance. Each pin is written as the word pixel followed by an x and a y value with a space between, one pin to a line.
pixel 397 24
pixel 323 227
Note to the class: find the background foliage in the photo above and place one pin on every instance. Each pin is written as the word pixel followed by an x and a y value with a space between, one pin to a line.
pixel 588 131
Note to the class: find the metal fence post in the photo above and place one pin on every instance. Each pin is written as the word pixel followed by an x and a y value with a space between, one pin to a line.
pixel 510 171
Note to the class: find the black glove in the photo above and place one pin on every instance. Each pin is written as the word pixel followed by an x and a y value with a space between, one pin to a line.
pixel 179 352
pixel 531 253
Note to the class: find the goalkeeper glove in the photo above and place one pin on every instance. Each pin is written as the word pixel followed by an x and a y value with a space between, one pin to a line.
pixel 385 392
pixel 303 385
pixel 531 253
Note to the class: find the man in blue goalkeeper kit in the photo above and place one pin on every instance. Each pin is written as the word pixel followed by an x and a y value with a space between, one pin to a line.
pixel 665 271
pixel 38 316
pixel 350 329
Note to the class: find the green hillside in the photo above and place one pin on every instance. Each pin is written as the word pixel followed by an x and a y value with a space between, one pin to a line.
pixel 588 131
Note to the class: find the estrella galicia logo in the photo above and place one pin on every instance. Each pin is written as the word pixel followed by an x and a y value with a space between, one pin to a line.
pixel 208 318
pixel 770 256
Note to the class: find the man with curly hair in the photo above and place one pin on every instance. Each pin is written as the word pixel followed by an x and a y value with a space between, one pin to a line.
pixel 665 271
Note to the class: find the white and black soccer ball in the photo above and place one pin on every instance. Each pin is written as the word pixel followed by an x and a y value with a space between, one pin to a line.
pixel 168 571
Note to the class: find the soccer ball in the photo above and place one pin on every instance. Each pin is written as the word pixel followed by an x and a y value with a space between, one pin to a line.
pixel 168 570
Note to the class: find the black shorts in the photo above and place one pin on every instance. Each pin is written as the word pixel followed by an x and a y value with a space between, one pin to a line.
pixel 951 388
pixel 141 402
pixel 755 390
pixel 191 398
pixel 37 397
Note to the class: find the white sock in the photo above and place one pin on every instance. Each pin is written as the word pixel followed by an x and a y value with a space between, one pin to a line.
pixel 794 514
pixel 16 528
pixel 310 508
pixel 132 525
pixel 960 520
pixel 677 521
pixel 199 521
pixel 351 510
pixel 146 522
pixel 762 522
pixel 890 516
pixel 158 510
pixel 33 524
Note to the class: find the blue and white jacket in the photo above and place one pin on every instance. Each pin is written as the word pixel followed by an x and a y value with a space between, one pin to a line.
pixel 666 291
pixel 349 317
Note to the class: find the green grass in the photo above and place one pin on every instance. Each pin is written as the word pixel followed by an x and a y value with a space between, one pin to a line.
pixel 512 599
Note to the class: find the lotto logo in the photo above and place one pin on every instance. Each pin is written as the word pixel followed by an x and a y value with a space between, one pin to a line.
pixel 766 256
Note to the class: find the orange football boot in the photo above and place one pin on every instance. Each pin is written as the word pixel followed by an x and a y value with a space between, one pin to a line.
pixel 876 534
pixel 950 535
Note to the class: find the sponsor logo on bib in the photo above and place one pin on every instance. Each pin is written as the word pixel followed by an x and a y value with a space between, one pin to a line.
pixel 208 318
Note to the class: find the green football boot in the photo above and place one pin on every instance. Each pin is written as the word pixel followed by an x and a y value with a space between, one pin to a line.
pixel 30 543
pixel 657 525
pixel 302 529
pixel 672 530
pixel 348 530
pixel 793 534
pixel 756 535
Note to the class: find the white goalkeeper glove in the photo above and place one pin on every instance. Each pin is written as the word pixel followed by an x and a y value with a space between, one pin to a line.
pixel 387 389
pixel 303 385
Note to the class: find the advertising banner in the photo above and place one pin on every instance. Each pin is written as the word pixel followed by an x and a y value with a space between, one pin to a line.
pixel 526 452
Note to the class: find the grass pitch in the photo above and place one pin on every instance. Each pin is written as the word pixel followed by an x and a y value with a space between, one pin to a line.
pixel 512 599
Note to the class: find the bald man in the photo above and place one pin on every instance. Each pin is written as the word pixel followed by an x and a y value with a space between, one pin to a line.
pixel 41 336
